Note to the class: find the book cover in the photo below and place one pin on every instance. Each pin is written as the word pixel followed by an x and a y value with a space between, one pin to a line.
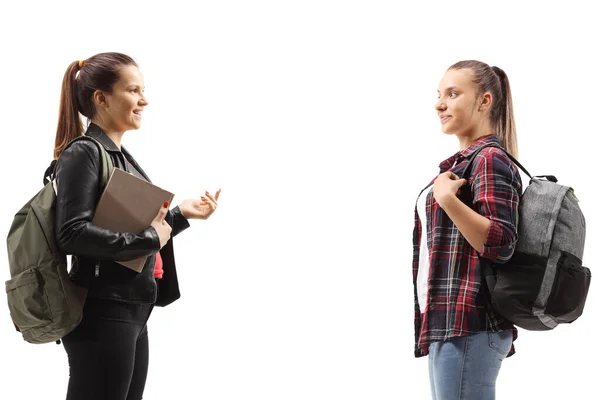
pixel 129 204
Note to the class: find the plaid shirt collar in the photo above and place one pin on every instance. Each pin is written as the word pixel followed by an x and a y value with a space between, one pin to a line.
pixel 455 159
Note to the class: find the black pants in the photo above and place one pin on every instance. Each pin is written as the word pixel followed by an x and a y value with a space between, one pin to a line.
pixel 108 352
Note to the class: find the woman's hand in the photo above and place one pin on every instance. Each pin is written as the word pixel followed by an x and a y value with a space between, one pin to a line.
pixel 201 208
pixel 162 227
pixel 446 186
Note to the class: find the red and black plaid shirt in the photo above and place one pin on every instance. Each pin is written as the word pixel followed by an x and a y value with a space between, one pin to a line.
pixel 457 300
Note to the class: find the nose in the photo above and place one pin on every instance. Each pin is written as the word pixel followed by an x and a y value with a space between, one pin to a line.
pixel 440 105
pixel 143 100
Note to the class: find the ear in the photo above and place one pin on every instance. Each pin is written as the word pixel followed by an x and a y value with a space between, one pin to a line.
pixel 486 102
pixel 100 99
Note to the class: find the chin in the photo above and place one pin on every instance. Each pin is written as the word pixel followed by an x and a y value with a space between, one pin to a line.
pixel 449 130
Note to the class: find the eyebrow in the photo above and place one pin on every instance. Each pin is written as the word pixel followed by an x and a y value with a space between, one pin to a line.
pixel 449 88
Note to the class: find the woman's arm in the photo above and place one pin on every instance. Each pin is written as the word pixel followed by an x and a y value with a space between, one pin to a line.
pixel 472 226
pixel 177 221
pixel 78 191
pixel 496 188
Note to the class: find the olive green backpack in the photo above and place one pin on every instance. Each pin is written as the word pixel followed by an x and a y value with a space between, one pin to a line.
pixel 44 304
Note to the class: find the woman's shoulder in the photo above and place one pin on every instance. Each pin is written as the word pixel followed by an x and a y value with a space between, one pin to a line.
pixel 492 152
pixel 493 162
pixel 493 156
pixel 78 152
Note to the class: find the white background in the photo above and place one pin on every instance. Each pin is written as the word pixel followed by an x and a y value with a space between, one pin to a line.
pixel 317 120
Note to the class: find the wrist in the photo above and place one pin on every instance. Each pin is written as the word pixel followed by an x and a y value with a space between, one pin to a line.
pixel 446 201
pixel 182 211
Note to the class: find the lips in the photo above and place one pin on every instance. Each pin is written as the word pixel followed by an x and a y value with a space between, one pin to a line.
pixel 138 112
pixel 444 118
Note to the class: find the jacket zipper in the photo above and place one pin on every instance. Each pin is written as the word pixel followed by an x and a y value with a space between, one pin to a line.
pixel 97 271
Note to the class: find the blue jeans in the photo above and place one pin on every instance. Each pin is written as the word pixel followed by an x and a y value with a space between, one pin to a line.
pixel 466 367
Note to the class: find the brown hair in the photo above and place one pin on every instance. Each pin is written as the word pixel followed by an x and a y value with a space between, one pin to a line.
pixel 495 81
pixel 81 80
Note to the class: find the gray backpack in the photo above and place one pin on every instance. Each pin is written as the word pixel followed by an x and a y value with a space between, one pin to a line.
pixel 44 304
pixel 544 283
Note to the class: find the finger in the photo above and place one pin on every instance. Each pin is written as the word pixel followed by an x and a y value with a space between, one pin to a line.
pixel 447 175
pixel 162 213
pixel 210 196
pixel 456 185
pixel 210 203
pixel 453 176
pixel 214 198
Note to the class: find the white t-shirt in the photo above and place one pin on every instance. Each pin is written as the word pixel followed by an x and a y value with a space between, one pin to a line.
pixel 423 273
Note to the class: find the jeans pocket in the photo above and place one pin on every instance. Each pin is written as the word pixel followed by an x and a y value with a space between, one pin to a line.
pixel 500 342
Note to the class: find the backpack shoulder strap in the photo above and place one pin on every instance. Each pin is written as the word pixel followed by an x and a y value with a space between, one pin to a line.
pixel 106 164
pixel 467 171
pixel 49 174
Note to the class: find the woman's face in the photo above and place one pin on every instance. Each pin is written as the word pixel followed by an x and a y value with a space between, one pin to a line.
pixel 124 106
pixel 460 109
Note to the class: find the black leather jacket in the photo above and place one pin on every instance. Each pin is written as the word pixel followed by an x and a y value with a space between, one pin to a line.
pixel 95 249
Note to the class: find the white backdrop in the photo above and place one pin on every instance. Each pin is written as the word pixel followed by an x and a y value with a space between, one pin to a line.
pixel 317 119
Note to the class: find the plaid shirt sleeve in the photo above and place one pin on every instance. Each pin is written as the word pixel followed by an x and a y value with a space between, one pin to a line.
pixel 496 188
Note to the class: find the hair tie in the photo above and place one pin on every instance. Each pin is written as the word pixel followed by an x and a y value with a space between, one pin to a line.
pixel 81 64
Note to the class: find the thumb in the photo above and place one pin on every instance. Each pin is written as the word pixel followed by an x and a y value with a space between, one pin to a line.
pixel 162 213
pixel 461 182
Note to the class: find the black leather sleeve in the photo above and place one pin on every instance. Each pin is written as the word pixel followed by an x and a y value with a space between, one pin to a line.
pixel 177 221
pixel 77 180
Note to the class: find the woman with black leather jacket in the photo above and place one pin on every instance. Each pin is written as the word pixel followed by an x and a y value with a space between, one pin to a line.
pixel 108 350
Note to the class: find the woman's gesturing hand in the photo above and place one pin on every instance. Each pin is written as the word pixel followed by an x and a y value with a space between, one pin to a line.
pixel 201 208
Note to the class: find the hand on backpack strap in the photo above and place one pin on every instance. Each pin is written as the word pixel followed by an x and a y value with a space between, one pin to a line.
pixel 447 185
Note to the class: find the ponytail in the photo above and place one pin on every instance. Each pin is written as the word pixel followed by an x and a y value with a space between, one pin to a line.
pixel 99 72
pixel 69 123
pixel 506 122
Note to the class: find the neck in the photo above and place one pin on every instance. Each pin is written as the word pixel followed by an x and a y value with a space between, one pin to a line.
pixel 113 134
pixel 468 138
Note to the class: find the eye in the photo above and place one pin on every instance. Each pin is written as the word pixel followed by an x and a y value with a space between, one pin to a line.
pixel 453 94
pixel 133 90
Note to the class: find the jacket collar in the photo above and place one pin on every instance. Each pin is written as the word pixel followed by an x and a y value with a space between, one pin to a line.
pixel 97 133
pixel 469 151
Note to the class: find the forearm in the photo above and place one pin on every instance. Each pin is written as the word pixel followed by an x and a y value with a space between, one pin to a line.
pixel 473 226
pixel 177 220
pixel 82 238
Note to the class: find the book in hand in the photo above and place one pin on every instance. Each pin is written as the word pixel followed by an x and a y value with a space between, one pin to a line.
pixel 129 204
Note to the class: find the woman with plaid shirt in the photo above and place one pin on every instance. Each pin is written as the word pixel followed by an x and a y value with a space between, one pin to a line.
pixel 459 222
